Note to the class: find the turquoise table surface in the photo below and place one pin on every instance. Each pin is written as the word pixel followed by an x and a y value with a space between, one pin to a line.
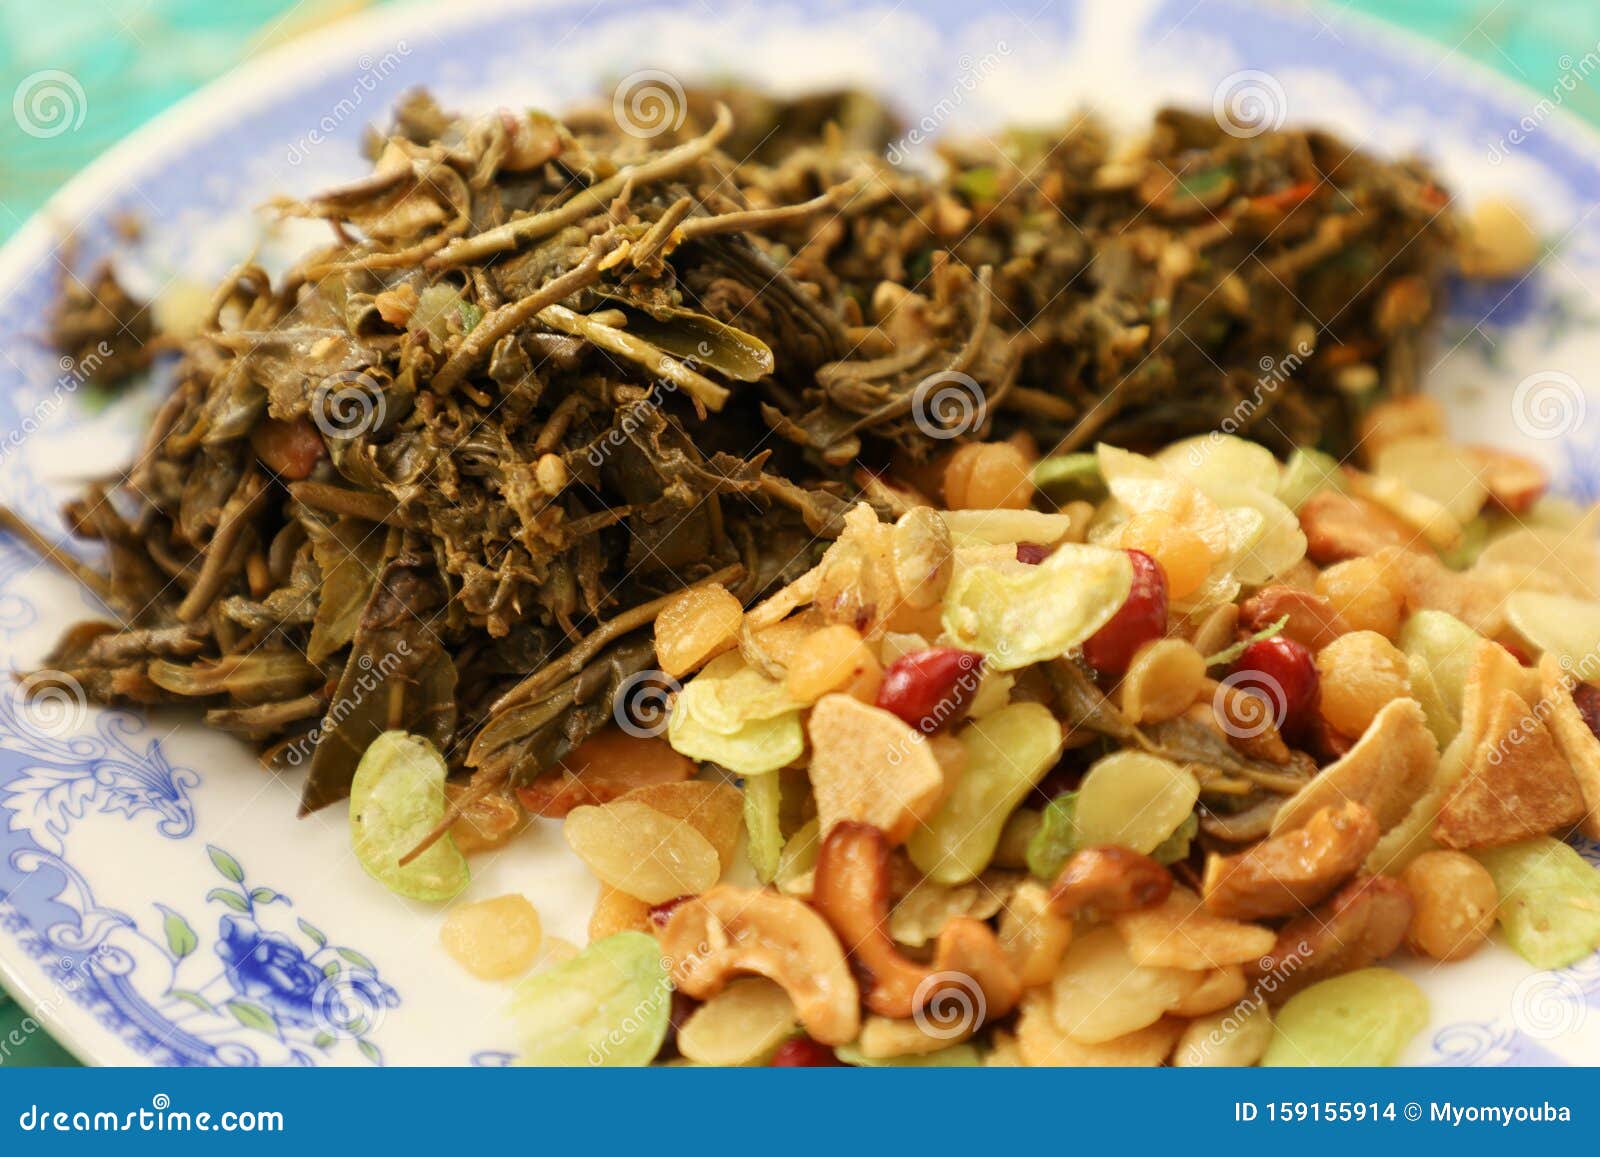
pixel 134 58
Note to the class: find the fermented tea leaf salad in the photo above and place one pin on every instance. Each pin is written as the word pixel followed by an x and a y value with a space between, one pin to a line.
pixel 618 482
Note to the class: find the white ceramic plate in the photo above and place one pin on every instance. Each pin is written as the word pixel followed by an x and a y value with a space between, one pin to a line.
pixel 140 856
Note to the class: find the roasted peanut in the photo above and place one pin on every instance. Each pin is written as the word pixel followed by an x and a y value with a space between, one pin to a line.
pixel 1414 416
pixel 616 911
pixel 988 476
pixel 1500 240
pixel 1164 679
pixel 1183 555
pixel 603 768
pixel 1515 483
pixel 1312 621
pixel 1107 880
pixel 1338 527
pixel 493 939
pixel 1291 871
pixel 1363 923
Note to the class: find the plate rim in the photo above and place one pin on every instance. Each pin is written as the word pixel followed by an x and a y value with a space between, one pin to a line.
pixel 256 84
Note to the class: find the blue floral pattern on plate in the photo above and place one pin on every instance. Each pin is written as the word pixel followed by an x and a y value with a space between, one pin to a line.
pixel 128 919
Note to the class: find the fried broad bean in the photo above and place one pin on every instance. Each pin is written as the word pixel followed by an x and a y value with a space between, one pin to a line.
pixel 1033 935
pixel 1134 800
pixel 1361 1018
pixel 1228 1038
pixel 712 808
pixel 739 1025
pixel 646 853
pixel 1042 1043
pixel 1455 901
pixel 610 1005
pixel 1549 900
pixel 1101 994
pixel 1179 933
pixel 1007 753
